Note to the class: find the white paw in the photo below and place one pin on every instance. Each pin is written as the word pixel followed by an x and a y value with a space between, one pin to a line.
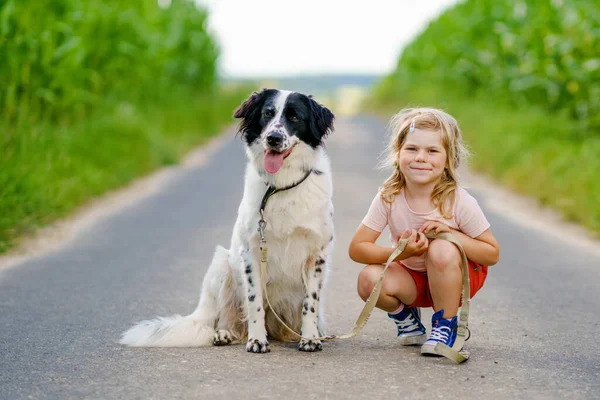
pixel 310 345
pixel 257 346
pixel 222 337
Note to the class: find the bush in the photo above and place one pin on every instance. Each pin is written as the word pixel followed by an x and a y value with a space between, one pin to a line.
pixel 61 58
pixel 526 52
pixel 94 94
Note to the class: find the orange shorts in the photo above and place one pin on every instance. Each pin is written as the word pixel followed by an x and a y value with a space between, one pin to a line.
pixel 476 279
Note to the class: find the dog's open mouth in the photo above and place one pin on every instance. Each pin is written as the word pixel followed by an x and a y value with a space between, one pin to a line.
pixel 274 160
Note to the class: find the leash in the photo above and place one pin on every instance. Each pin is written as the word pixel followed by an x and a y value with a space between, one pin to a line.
pixel 455 353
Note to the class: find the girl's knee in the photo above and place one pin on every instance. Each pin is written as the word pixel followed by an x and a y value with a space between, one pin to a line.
pixel 441 255
pixel 367 278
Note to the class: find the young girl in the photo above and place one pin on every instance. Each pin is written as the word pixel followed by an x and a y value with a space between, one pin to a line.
pixel 423 195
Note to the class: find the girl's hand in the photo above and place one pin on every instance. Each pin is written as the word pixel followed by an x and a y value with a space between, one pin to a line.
pixel 435 226
pixel 417 244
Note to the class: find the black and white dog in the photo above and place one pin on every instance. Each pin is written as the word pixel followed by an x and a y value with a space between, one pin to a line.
pixel 283 132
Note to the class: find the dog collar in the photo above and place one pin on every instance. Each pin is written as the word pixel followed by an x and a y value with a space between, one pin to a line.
pixel 272 190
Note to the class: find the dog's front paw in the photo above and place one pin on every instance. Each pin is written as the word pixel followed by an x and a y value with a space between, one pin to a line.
pixel 222 338
pixel 310 345
pixel 257 346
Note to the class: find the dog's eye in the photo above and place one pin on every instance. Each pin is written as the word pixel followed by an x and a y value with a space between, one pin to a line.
pixel 294 118
pixel 268 114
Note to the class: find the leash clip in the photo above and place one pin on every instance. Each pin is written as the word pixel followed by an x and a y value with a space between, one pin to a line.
pixel 262 224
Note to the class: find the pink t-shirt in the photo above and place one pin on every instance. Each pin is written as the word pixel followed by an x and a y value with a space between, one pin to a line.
pixel 467 217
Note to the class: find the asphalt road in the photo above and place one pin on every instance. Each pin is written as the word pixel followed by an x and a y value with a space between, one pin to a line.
pixel 535 330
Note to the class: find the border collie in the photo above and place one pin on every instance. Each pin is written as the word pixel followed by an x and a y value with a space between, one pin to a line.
pixel 283 133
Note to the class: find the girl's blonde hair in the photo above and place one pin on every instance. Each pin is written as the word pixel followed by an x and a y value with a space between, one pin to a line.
pixel 443 195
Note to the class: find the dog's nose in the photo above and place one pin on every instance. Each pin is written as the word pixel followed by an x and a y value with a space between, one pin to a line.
pixel 274 139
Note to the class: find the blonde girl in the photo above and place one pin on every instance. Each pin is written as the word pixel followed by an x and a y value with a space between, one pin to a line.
pixel 421 195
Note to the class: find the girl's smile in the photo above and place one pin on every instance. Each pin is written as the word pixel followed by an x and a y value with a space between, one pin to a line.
pixel 420 169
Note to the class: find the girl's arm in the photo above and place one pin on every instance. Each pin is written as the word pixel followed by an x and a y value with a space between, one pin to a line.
pixel 483 249
pixel 363 249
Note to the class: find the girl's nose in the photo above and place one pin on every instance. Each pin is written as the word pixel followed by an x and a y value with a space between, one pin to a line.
pixel 420 155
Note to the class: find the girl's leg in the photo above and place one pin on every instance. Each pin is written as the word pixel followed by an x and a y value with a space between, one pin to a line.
pixel 444 271
pixel 398 286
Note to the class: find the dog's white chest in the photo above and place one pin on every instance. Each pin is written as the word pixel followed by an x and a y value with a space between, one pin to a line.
pixel 304 214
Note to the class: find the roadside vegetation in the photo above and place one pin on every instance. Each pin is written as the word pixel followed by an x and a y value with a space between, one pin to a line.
pixel 94 94
pixel 523 79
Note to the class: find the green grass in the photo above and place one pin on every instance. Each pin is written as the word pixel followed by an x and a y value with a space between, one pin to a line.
pixel 47 170
pixel 527 149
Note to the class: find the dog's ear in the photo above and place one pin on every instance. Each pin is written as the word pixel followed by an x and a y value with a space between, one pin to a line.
pixel 249 111
pixel 322 121
pixel 249 105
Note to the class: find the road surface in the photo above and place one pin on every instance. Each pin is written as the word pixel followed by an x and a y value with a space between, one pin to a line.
pixel 534 325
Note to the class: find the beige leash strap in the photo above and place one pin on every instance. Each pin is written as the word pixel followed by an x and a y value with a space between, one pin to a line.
pixel 455 353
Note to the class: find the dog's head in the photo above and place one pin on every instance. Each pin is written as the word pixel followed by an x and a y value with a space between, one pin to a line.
pixel 283 128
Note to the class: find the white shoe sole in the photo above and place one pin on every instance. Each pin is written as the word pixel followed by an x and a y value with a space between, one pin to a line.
pixel 415 340
pixel 429 350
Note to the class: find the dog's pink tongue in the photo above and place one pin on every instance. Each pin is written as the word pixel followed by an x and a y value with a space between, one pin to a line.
pixel 273 161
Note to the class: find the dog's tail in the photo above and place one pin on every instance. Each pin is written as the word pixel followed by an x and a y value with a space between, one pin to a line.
pixel 175 331
pixel 194 330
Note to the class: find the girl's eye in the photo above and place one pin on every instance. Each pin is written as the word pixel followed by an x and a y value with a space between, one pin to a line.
pixel 433 151
pixel 410 148
pixel 294 118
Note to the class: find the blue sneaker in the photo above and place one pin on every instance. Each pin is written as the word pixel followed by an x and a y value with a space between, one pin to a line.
pixel 410 329
pixel 442 331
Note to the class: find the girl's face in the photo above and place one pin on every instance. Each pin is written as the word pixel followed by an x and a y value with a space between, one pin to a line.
pixel 422 158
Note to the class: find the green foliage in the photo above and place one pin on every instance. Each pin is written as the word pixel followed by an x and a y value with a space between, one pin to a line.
pixel 94 94
pixel 60 59
pixel 526 52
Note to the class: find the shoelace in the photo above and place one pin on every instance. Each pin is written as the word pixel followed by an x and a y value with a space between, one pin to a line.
pixel 408 322
pixel 440 333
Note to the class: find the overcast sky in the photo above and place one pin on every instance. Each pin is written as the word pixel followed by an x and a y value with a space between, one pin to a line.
pixel 284 37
